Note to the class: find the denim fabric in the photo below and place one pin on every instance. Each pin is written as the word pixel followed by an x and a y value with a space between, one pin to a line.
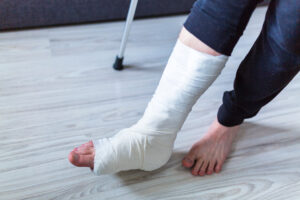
pixel 270 65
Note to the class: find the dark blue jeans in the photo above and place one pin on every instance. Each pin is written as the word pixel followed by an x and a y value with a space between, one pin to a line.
pixel 270 65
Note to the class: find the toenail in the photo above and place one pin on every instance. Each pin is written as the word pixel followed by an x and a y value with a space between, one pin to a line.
pixel 75 157
pixel 201 173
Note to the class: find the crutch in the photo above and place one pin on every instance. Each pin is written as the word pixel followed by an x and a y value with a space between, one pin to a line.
pixel 118 65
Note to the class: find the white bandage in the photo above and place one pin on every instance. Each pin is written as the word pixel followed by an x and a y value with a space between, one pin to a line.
pixel 148 144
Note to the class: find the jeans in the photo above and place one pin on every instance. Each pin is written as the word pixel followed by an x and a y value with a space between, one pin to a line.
pixel 270 65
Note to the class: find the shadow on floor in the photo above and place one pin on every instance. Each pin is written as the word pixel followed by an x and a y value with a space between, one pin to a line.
pixel 248 133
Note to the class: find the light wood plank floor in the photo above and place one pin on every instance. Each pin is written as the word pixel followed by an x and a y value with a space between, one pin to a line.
pixel 57 90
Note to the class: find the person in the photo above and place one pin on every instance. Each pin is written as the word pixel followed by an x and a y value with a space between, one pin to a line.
pixel 207 39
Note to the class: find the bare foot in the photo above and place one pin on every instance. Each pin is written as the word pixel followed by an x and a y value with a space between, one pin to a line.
pixel 83 156
pixel 208 154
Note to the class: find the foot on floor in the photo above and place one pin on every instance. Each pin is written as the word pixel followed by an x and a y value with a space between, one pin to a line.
pixel 129 149
pixel 209 154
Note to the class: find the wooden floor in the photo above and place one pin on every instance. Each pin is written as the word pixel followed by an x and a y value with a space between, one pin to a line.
pixel 57 90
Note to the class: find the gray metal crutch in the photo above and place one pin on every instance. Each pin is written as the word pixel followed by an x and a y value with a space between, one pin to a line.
pixel 118 65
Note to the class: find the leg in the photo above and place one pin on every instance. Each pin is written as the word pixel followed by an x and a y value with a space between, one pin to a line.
pixel 221 32
pixel 191 41
pixel 148 144
pixel 270 65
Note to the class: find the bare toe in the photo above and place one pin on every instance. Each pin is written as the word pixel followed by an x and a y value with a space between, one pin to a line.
pixel 211 167
pixel 81 160
pixel 218 167
pixel 89 144
pixel 197 166
pixel 188 161
pixel 203 168
pixel 84 150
